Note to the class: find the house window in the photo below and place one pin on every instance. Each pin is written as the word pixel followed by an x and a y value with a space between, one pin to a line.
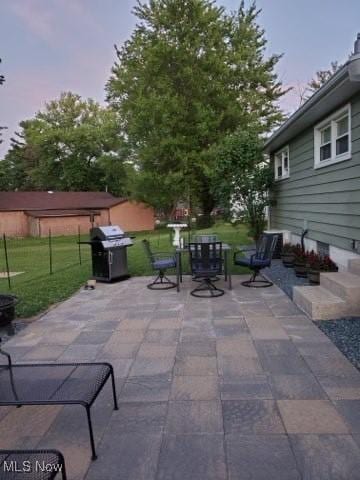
pixel 332 139
pixel 282 167
pixel 323 248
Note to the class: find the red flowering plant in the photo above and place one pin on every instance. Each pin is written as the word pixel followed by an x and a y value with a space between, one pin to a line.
pixel 287 248
pixel 314 261
pixel 300 255
pixel 328 265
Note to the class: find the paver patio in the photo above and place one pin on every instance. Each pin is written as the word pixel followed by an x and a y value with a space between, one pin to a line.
pixel 243 386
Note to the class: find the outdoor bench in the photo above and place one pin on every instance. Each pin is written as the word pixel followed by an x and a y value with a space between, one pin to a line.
pixel 31 465
pixel 55 384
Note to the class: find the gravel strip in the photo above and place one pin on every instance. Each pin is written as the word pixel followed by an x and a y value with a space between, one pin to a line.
pixel 345 334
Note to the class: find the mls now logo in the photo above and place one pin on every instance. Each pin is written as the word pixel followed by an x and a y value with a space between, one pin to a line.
pixel 26 466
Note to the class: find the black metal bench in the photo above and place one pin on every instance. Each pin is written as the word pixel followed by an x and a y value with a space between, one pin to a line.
pixel 31 465
pixel 55 384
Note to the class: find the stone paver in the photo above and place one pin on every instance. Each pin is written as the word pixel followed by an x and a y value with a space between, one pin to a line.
pixel 311 416
pixel 239 387
pixel 262 457
pixel 326 457
pixel 195 457
pixel 251 417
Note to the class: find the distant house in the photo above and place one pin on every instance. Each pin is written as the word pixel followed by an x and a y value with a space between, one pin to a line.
pixel 34 213
pixel 316 158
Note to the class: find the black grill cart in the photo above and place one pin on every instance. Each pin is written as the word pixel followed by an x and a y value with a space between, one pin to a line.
pixel 109 253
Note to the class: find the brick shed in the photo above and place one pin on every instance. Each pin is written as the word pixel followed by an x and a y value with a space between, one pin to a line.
pixel 34 213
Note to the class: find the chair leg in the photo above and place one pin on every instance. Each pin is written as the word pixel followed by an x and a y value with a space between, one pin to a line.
pixel 63 469
pixel 113 388
pixel 254 282
pixel 207 286
pixel 92 442
pixel 161 282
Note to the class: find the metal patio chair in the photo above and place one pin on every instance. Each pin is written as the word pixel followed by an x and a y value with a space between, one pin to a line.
pixel 206 262
pixel 160 262
pixel 55 384
pixel 205 238
pixel 32 465
pixel 257 261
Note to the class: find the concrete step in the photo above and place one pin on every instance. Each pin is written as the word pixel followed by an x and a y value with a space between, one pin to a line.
pixel 344 285
pixel 354 266
pixel 318 303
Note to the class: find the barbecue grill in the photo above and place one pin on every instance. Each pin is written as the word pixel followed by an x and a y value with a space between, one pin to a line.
pixel 109 253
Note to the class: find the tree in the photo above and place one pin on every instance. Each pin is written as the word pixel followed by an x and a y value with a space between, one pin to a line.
pixel 2 80
pixel 321 77
pixel 190 74
pixel 243 178
pixel 73 144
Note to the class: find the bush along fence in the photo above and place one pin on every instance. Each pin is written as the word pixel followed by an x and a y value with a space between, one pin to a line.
pixel 39 255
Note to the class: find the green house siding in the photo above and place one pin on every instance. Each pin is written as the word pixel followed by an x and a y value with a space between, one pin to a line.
pixel 328 198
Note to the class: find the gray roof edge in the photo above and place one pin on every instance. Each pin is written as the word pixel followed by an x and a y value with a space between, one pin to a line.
pixel 330 86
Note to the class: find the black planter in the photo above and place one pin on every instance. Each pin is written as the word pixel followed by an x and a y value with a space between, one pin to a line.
pixel 300 270
pixel 7 309
pixel 314 276
pixel 288 259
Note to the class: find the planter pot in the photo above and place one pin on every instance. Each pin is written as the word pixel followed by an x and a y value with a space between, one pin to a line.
pixel 7 309
pixel 300 270
pixel 314 276
pixel 288 259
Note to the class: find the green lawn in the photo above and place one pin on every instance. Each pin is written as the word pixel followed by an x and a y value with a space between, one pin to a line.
pixel 37 289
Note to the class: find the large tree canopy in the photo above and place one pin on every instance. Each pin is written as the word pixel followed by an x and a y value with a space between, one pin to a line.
pixel 190 74
pixel 2 80
pixel 73 144
pixel 243 178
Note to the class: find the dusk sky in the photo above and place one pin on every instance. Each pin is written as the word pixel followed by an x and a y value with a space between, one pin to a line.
pixel 50 46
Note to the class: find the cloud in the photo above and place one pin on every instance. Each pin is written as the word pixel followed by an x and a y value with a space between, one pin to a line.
pixel 39 20
pixel 57 20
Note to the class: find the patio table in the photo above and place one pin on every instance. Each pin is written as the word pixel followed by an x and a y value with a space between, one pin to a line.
pixel 179 270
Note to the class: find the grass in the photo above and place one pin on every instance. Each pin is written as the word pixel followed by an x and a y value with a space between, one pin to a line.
pixel 37 289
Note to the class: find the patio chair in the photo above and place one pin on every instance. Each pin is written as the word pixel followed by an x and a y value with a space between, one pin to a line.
pixel 31 465
pixel 201 238
pixel 258 260
pixel 206 263
pixel 160 262
pixel 55 384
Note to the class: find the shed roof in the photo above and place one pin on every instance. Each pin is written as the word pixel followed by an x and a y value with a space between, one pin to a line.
pixel 30 201
pixel 61 213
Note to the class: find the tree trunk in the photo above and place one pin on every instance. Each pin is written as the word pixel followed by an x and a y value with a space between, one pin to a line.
pixel 207 203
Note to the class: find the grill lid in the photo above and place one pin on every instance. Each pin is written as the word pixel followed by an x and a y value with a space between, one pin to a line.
pixel 111 232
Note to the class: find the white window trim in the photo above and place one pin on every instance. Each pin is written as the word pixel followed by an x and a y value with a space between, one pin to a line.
pixel 332 119
pixel 280 152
